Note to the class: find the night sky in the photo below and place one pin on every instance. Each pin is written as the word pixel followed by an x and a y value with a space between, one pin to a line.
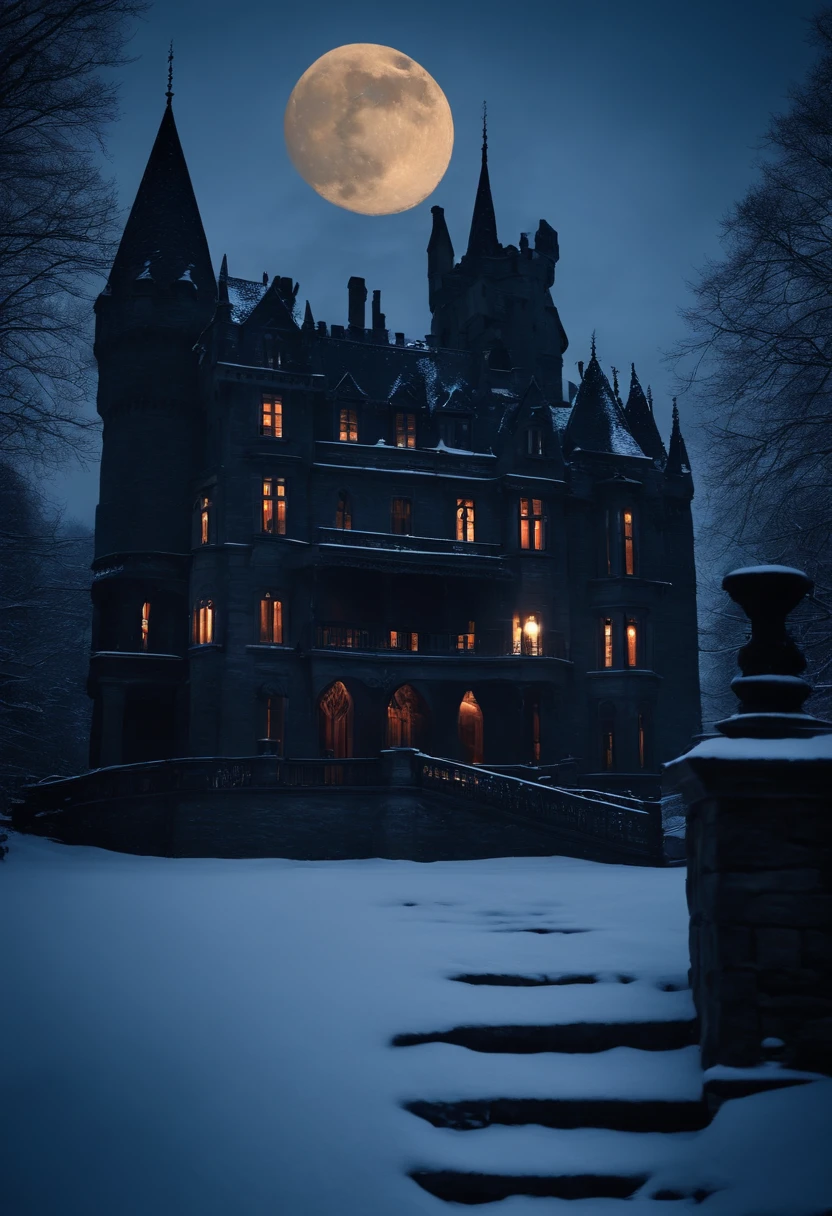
pixel 631 128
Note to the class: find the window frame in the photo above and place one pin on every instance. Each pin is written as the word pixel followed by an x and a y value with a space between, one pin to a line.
pixel 273 495
pixel 204 622
pixel 534 441
pixel 273 427
pixel 404 517
pixel 532 522
pixel 466 521
pixel 272 622
pixel 343 511
pixel 347 424
pixel 404 429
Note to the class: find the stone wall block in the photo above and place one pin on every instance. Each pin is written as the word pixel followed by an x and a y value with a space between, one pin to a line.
pixel 741 845
pixel 778 948
pixel 817 949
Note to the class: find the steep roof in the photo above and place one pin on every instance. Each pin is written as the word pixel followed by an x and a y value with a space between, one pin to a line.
pixel 482 239
pixel 164 239
pixel 678 460
pixel 244 295
pixel 597 422
pixel 641 422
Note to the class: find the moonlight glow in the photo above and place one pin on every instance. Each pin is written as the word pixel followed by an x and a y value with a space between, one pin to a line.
pixel 369 129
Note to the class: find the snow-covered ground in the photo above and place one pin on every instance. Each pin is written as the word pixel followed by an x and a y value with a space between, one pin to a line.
pixel 197 1037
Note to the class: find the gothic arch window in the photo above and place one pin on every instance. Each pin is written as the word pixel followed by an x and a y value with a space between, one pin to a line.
pixel 406 718
pixel 606 721
pixel 469 726
pixel 204 622
pixel 343 511
pixel 335 719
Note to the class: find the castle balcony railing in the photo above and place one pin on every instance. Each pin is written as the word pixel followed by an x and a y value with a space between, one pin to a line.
pixel 427 554
pixel 491 643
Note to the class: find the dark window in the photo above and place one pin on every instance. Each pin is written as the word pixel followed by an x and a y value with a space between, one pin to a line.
pixel 348 425
pixel 405 430
pixel 275 723
pixel 271 351
pixel 456 433
pixel 400 517
pixel 274 506
pixel 606 714
pixel 643 736
pixel 343 511
pixel 534 441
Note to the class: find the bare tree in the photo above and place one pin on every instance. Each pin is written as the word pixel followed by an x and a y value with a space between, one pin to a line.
pixel 57 212
pixel 761 349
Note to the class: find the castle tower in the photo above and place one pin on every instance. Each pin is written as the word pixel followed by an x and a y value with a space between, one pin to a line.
pixel 160 295
pixel 497 299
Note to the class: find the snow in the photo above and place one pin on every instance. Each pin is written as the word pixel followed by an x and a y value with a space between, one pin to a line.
pixel 244 295
pixel 768 570
pixel 194 1037
pixel 812 747
pixel 443 447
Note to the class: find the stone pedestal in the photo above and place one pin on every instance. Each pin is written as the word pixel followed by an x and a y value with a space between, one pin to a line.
pixel 759 849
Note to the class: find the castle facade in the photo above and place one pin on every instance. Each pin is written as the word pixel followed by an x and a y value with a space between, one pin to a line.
pixel 321 539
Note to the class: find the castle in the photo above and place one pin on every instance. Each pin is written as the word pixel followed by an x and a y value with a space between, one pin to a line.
pixel 324 540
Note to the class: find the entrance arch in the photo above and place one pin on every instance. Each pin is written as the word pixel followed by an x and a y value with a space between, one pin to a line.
pixel 470 729
pixel 406 718
pixel 335 721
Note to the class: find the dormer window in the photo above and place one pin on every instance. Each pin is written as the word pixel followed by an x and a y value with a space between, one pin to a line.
pixel 271 351
pixel 534 441
pixel 405 430
pixel 271 417
pixel 348 425
pixel 456 433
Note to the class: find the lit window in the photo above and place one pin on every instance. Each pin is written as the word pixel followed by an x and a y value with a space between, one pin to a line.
pixel 204 507
pixel 608 642
pixel 403 641
pixel 271 417
pixel 400 517
pixel 532 636
pixel 532 527
pixel 534 441
pixel 274 505
pixel 275 722
pixel 203 624
pixel 632 644
pixel 516 635
pixel 405 430
pixel 271 620
pixel 629 552
pixel 467 641
pixel 348 426
pixel 343 512
pixel 465 519
pixel 145 624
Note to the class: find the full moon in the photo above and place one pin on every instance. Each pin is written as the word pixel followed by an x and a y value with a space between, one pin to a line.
pixel 369 129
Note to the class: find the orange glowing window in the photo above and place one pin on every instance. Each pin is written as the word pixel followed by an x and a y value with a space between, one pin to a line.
pixel 203 623
pixel 629 548
pixel 271 417
pixel 343 512
pixel 632 644
pixel 348 426
pixel 532 637
pixel 467 641
pixel 405 430
pixel 532 524
pixel 608 642
pixel 204 520
pixel 271 620
pixel 403 640
pixel 465 519
pixel 145 633
pixel 274 506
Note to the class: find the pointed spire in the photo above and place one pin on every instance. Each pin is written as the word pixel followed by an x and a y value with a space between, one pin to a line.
pixel 597 422
pixel 308 319
pixel 677 458
pixel 482 240
pixel 615 387
pixel 641 422
pixel 169 94
pixel 164 230
pixel 224 267
pixel 649 394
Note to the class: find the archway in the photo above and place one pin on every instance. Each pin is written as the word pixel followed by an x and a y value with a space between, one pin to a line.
pixel 470 729
pixel 406 718
pixel 335 719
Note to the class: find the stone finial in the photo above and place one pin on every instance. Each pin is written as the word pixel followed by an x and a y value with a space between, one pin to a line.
pixel 770 690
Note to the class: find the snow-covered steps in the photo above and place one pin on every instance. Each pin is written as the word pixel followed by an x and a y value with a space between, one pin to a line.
pixel 564 1037
pixel 621 1115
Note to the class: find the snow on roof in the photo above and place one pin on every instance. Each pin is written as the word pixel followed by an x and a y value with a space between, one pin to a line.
pixel 244 295
pixel 597 422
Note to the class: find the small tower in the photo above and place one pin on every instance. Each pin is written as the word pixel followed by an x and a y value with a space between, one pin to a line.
pixel 160 295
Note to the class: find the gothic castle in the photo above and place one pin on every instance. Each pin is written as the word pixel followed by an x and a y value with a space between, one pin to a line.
pixel 322 539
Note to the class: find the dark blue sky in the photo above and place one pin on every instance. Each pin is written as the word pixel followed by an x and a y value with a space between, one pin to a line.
pixel 630 127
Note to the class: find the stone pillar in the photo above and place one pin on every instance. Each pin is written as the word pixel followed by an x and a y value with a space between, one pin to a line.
pixel 759 848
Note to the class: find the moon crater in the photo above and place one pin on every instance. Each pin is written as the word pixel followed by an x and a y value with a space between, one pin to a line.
pixel 369 129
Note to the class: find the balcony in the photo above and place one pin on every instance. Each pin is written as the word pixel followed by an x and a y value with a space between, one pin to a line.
pixel 488 644
pixel 410 554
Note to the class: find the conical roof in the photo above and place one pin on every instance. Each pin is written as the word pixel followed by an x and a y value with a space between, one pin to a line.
pixel 482 239
pixel 164 239
pixel 677 457
pixel 597 422
pixel 641 422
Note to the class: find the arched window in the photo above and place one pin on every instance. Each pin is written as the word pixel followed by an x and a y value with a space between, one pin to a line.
pixel 469 724
pixel 606 717
pixel 343 511
pixel 632 642
pixel 335 721
pixel 271 620
pixel 203 623
pixel 406 718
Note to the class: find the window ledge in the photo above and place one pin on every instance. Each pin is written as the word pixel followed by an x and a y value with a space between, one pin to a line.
pixel 199 648
pixel 270 646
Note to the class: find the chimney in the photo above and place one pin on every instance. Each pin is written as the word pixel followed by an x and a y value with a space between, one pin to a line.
pixel 379 319
pixel 357 300
pixel 399 339
pixel 322 328
pixel 265 279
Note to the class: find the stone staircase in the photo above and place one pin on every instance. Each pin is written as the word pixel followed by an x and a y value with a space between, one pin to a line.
pixel 573 1110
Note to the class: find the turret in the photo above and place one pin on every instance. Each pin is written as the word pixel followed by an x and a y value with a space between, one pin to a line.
pixel 642 424
pixel 597 422
pixel 440 254
pixel 482 239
